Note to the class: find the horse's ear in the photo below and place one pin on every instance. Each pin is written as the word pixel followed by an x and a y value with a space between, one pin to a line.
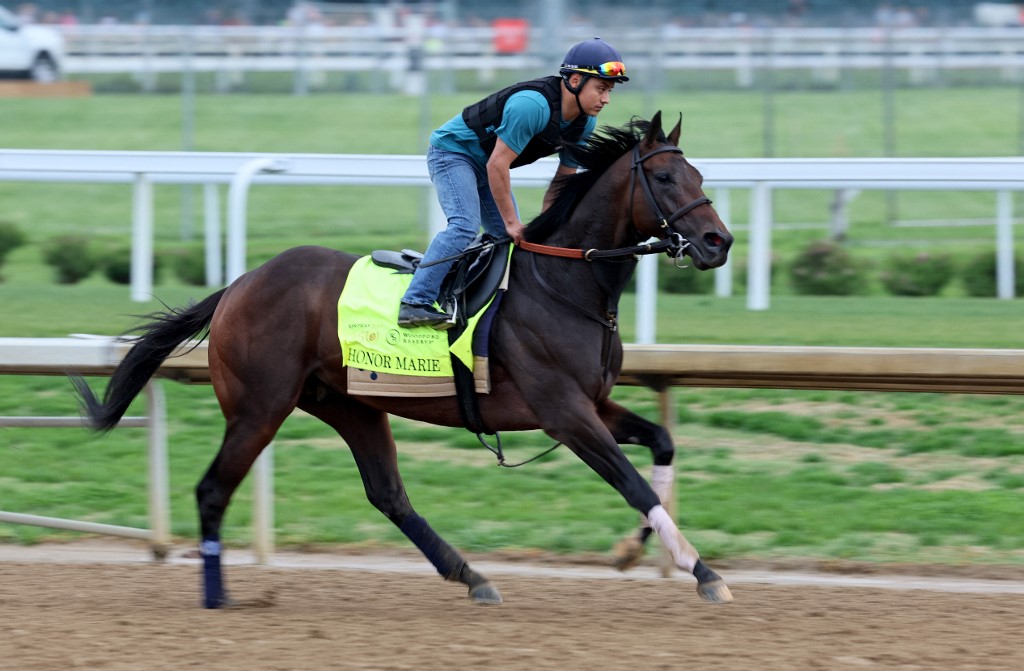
pixel 653 131
pixel 673 137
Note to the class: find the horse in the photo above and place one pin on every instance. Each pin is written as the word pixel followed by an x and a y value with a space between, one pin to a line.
pixel 555 352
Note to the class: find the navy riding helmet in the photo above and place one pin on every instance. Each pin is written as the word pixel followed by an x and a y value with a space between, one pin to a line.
pixel 593 58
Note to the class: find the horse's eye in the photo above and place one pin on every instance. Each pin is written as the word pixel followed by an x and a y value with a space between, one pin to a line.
pixel 663 177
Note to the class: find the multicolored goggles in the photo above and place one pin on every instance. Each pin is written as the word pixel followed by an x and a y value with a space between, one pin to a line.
pixel 610 70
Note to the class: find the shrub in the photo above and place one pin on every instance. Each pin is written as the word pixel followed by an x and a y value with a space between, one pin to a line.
pixel 741 268
pixel 117 265
pixel 826 269
pixel 923 274
pixel 979 275
pixel 11 237
pixel 190 266
pixel 70 257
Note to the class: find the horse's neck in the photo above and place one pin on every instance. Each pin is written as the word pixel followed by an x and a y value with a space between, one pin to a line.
pixel 596 223
pixel 599 222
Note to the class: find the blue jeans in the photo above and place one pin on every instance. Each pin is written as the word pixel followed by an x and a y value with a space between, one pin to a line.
pixel 465 198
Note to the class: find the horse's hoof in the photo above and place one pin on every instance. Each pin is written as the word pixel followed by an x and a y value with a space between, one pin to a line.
pixel 485 593
pixel 714 591
pixel 223 601
pixel 627 553
pixel 160 551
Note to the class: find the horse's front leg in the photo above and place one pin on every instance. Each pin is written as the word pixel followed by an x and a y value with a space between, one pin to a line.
pixel 598 447
pixel 628 428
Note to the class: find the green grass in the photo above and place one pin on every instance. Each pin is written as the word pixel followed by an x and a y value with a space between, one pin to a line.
pixel 762 473
pixel 743 490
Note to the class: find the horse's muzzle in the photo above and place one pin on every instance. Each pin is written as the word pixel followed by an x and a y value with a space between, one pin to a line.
pixel 711 249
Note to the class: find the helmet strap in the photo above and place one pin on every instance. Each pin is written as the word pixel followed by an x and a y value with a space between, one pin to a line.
pixel 575 91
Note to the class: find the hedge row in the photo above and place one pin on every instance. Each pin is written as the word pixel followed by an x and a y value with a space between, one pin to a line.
pixel 826 268
pixel 821 268
pixel 74 258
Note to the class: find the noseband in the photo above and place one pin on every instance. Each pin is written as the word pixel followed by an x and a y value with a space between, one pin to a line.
pixel 636 173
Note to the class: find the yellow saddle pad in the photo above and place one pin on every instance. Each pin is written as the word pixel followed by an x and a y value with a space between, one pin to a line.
pixel 386 360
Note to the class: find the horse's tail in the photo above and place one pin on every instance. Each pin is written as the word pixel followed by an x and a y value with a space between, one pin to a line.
pixel 160 336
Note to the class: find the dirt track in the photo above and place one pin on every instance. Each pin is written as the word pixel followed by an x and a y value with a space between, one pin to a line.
pixel 137 615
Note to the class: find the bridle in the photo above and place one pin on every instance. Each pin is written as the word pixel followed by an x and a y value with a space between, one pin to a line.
pixel 673 244
pixel 637 174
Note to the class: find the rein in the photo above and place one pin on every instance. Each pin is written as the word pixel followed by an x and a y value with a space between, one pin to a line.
pixel 620 252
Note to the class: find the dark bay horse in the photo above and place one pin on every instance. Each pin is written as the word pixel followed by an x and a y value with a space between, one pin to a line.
pixel 555 351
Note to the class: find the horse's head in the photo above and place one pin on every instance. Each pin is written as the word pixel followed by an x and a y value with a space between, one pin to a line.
pixel 667 198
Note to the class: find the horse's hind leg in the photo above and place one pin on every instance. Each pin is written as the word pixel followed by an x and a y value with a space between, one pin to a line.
pixel 244 439
pixel 368 434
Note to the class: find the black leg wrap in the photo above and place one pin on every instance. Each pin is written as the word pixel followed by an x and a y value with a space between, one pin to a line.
pixel 444 558
pixel 213 578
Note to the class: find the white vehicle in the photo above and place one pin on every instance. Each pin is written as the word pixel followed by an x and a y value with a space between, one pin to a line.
pixel 29 51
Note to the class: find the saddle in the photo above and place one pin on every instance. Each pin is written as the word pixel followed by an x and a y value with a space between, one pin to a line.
pixel 472 281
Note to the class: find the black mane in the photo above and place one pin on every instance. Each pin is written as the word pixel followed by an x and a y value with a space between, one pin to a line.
pixel 601 150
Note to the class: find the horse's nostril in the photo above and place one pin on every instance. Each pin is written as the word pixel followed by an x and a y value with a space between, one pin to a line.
pixel 713 240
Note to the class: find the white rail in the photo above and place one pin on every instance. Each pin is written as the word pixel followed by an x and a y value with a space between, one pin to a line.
pixel 393 51
pixel 1002 175
pixel 64 355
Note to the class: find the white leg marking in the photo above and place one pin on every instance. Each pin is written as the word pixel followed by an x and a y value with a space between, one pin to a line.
pixel 684 554
pixel 661 482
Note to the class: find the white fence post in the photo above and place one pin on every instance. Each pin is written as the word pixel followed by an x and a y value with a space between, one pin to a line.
pixel 263 505
pixel 142 236
pixel 159 487
pixel 1005 280
pixel 238 194
pixel 646 299
pixel 211 231
pixel 759 278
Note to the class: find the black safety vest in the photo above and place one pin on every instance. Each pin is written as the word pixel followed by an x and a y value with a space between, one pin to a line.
pixel 488 113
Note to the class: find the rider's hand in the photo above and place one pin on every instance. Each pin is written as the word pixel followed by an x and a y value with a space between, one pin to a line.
pixel 515 230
